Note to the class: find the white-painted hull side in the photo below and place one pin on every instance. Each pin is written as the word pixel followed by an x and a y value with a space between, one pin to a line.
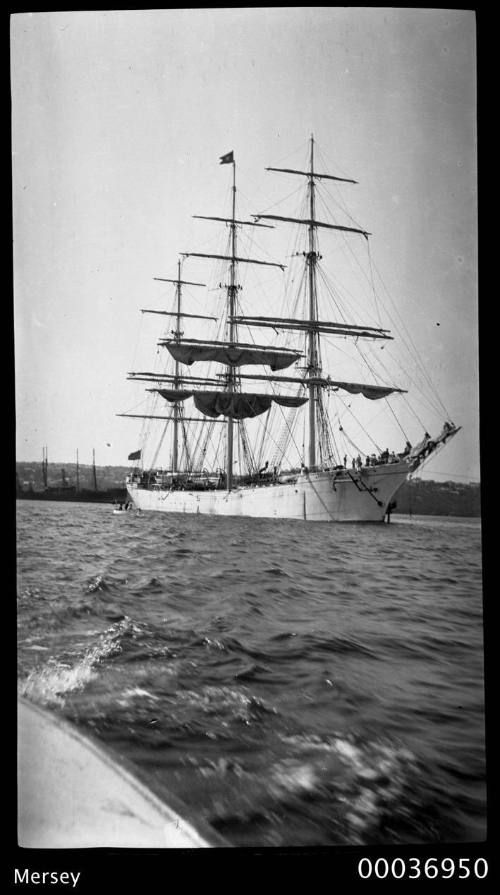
pixel 317 497
pixel 75 793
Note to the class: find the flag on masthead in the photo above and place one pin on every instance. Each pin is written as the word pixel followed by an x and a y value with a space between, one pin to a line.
pixel 227 159
pixel 136 455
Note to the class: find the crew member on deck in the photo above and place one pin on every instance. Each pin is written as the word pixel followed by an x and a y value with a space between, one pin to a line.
pixel 428 446
pixel 445 431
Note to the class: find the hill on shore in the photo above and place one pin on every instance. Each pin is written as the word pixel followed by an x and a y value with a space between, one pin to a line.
pixel 429 498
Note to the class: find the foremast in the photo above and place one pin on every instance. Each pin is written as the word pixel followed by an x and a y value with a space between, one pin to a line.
pixel 311 324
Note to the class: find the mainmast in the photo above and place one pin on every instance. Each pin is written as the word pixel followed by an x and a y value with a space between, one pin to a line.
pixel 232 290
pixel 231 295
pixel 312 353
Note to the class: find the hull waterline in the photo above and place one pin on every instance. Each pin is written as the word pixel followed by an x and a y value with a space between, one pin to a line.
pixel 346 496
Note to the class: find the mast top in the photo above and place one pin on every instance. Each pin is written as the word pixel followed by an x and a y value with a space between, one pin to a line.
pixel 179 282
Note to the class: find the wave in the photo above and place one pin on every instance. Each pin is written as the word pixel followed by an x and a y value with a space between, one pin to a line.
pixel 55 680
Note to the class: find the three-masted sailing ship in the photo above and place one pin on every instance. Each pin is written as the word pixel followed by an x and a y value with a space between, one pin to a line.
pixel 213 462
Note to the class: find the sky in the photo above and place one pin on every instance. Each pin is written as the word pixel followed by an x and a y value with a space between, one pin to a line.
pixel 118 121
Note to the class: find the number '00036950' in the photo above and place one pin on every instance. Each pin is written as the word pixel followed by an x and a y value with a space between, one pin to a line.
pixel 413 868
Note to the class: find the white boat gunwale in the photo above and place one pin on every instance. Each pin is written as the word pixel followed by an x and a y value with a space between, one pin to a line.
pixel 165 804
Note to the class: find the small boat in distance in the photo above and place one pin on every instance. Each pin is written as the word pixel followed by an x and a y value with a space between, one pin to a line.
pixel 120 508
pixel 300 447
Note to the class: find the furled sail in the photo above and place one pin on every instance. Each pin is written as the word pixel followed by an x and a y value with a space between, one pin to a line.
pixel 373 392
pixel 187 352
pixel 311 222
pixel 312 174
pixel 174 394
pixel 237 405
pixel 240 405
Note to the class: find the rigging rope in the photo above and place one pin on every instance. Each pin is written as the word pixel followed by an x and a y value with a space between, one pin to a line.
pixel 155 456
pixel 397 421
pixel 351 442
pixel 371 281
pixel 346 406
pixel 416 354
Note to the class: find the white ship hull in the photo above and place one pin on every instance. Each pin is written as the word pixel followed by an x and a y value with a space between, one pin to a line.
pixel 334 496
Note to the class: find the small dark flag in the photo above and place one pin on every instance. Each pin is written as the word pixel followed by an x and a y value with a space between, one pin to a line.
pixel 227 159
pixel 135 456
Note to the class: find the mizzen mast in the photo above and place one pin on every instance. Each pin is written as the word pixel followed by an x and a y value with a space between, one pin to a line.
pixel 177 333
pixel 177 410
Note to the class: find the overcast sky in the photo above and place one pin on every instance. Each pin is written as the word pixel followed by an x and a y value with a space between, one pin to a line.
pixel 119 119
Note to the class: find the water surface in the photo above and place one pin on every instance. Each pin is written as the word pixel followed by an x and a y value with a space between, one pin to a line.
pixel 294 683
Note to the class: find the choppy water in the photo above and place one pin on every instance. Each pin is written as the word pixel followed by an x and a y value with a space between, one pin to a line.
pixel 294 683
